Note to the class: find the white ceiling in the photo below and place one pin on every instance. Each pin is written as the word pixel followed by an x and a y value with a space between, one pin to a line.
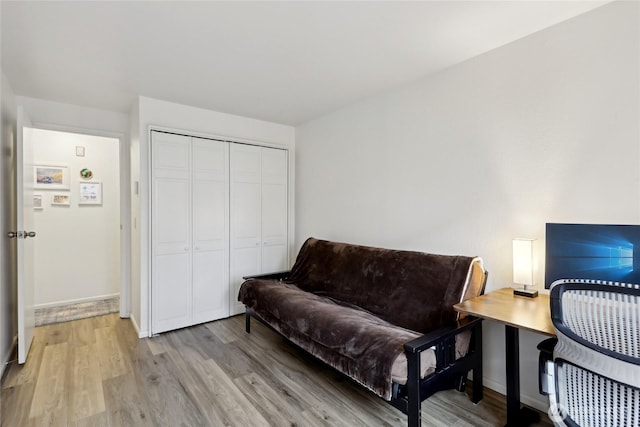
pixel 285 62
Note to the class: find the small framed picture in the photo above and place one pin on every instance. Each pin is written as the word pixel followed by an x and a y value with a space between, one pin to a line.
pixel 51 177
pixel 60 199
pixel 90 193
pixel 37 201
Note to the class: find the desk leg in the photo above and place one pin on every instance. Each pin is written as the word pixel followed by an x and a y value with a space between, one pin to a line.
pixel 516 416
pixel 512 347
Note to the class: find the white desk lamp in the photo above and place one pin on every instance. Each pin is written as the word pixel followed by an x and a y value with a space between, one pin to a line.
pixel 523 267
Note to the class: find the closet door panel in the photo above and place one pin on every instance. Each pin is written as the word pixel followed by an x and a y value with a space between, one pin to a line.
pixel 171 232
pixel 245 163
pixel 210 230
pixel 274 228
pixel 245 261
pixel 210 195
pixel 171 222
pixel 246 214
pixel 171 193
pixel 274 196
pixel 274 168
pixel 245 196
pixel 209 214
pixel 274 258
pixel 274 210
pixel 274 214
pixel 246 235
pixel 171 293
pixel 210 159
pixel 210 286
pixel 170 153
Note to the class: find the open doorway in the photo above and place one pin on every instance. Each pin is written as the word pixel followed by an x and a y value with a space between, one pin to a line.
pixel 77 218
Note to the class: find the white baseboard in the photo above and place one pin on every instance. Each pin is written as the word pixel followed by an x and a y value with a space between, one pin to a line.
pixel 75 301
pixel 539 402
pixel 9 356
pixel 141 334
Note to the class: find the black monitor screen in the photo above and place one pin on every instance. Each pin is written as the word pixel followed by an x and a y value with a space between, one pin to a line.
pixel 592 251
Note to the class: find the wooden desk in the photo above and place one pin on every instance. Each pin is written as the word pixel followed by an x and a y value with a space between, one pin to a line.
pixel 516 312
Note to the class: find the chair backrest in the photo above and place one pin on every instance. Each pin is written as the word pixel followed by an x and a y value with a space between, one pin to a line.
pixel 597 358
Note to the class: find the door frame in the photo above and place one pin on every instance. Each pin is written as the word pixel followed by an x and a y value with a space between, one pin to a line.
pixel 125 204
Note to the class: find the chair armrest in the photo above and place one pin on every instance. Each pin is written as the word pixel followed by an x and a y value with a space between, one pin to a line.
pixel 433 338
pixel 279 275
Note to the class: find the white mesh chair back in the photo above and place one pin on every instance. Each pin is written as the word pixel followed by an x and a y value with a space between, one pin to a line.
pixel 597 358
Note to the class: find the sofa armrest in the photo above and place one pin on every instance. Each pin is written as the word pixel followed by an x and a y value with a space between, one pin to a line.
pixel 434 338
pixel 443 341
pixel 279 275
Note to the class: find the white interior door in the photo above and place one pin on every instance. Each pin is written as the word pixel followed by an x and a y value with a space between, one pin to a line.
pixel 25 234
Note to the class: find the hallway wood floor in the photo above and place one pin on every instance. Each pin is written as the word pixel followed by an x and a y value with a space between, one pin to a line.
pixel 96 372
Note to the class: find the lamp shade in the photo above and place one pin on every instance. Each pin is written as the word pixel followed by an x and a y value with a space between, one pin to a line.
pixel 523 261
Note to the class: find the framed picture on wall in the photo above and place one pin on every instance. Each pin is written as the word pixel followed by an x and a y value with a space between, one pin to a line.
pixel 51 177
pixel 90 193
pixel 61 199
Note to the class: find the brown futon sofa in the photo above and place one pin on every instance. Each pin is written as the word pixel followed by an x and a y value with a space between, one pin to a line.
pixel 383 317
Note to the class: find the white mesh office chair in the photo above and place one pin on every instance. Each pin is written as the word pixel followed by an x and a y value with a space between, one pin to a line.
pixel 594 377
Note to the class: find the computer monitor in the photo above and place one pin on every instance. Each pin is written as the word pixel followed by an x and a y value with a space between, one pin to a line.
pixel 592 251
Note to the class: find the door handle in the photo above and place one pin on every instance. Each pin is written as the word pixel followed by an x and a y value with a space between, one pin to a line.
pixel 21 234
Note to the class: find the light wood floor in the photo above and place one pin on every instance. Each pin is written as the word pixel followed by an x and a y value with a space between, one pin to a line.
pixel 74 311
pixel 96 372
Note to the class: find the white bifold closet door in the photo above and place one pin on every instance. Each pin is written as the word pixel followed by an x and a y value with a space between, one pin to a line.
pixel 190 231
pixel 259 208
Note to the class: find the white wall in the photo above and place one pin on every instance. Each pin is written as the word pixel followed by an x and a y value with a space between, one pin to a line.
pixel 545 129
pixel 77 250
pixel 8 315
pixel 151 112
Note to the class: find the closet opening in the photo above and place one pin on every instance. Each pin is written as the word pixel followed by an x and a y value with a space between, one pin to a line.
pixel 219 211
